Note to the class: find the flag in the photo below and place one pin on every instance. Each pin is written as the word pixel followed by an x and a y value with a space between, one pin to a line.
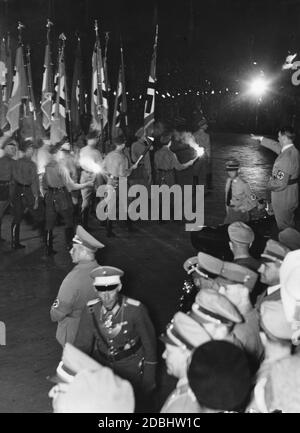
pixel 99 101
pixel 47 88
pixel 19 91
pixel 150 96
pixel 59 106
pixel 3 84
pixel 77 94
pixel 120 119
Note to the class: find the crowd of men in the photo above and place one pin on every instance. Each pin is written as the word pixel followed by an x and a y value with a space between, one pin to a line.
pixel 234 349
pixel 55 180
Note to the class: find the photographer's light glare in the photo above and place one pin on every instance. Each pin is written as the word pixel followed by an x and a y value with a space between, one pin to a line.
pixel 258 87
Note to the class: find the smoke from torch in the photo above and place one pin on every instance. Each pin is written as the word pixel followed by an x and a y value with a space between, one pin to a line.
pixel 188 138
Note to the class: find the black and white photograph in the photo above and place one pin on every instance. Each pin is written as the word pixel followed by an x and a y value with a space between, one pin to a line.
pixel 149 209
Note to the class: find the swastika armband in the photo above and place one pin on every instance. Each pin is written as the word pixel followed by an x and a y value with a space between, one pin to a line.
pixel 55 303
pixel 279 175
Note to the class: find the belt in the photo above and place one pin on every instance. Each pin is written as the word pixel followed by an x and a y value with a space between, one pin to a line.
pixel 122 354
pixel 293 181
pixel 23 185
pixel 57 189
pixel 4 182
pixel 164 171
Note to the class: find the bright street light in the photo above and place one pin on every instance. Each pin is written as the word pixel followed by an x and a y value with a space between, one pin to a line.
pixel 258 87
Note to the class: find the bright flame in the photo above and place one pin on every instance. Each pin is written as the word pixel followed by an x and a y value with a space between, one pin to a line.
pixel 189 139
pixel 89 165
pixel 258 87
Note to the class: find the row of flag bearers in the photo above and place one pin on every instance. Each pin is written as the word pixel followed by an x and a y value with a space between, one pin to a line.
pixel 62 105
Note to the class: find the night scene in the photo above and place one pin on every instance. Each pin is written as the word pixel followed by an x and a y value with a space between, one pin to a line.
pixel 149 209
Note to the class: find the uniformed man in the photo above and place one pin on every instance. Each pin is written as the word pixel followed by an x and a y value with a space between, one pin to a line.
pixel 117 332
pixel 117 167
pixel 277 335
pixel 271 261
pixel 283 183
pixel 6 176
pixel 57 184
pixel 219 377
pixel 166 162
pixel 202 138
pixel 143 174
pixel 239 199
pixel 182 336
pixel 25 193
pixel 241 238
pixel 217 315
pixel 77 288
pixel 89 159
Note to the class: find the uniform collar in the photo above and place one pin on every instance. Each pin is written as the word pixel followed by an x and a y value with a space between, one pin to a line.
pixel 287 146
pixel 273 289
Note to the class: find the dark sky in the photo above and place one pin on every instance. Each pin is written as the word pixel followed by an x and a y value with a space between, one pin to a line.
pixel 214 39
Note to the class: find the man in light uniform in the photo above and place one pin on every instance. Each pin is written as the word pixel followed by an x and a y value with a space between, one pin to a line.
pixel 77 288
pixel 271 261
pixel 90 160
pixel 182 336
pixel 283 183
pixel 202 138
pixel 116 167
pixel 241 238
pixel 239 199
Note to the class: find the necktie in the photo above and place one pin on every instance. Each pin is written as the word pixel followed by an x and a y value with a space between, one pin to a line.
pixel 229 194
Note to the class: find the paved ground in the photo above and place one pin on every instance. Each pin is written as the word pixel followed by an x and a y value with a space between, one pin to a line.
pixel 152 259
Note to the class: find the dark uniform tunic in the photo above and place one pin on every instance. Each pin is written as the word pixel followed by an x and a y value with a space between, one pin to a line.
pixel 123 339
pixel 6 177
pixel 165 163
pixel 25 187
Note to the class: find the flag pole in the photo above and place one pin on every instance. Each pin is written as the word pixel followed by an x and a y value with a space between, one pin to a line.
pixel 63 38
pixel 20 44
pixel 32 106
pixel 106 78
pixel 99 85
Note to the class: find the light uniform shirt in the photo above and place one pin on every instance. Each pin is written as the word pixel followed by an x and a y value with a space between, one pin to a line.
pixel 74 293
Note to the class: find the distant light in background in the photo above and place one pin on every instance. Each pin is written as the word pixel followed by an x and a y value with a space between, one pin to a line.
pixel 258 87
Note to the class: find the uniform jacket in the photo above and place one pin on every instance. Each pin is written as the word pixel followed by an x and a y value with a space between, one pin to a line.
pixel 242 198
pixel 128 323
pixel 165 162
pixel 74 293
pixel 25 173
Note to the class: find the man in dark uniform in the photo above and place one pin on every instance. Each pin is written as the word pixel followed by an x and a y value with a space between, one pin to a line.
pixel 57 183
pixel 25 193
pixel 117 332
pixel 6 176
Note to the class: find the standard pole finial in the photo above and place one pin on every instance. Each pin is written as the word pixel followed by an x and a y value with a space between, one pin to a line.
pixel 49 24
pixel 62 37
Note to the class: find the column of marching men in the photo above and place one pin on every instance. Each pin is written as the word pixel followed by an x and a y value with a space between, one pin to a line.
pixel 54 181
